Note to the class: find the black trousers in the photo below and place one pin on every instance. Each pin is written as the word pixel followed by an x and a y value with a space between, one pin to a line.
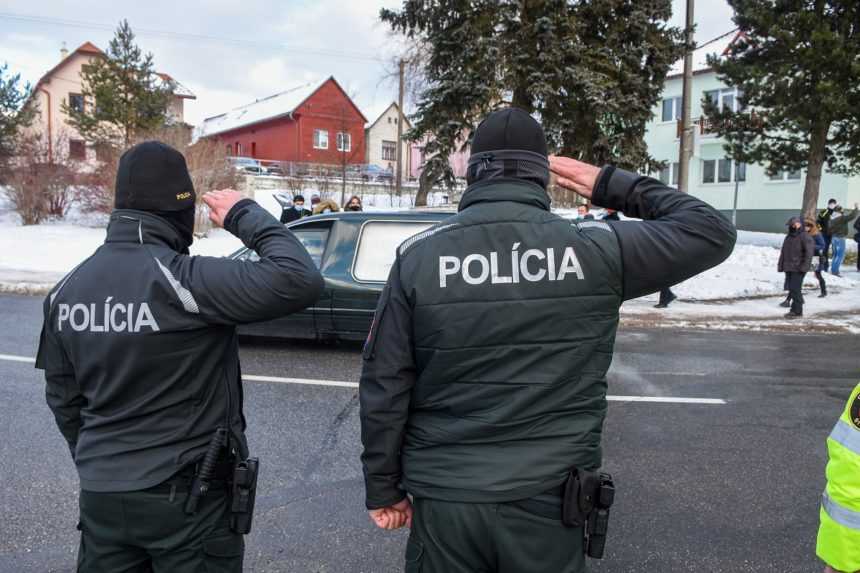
pixel 794 284
pixel 149 532
pixel 450 537
pixel 666 295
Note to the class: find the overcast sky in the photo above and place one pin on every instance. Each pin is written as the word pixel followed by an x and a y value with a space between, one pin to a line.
pixel 230 53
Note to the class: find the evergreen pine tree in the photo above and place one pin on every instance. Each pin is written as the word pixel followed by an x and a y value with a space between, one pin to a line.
pixel 14 114
pixel 592 71
pixel 124 96
pixel 796 64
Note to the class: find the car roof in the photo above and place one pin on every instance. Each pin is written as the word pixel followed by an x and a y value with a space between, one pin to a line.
pixel 362 216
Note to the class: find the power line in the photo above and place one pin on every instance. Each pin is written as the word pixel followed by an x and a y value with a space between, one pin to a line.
pixel 185 36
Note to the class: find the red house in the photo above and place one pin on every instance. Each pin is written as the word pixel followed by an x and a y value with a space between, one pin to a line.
pixel 310 124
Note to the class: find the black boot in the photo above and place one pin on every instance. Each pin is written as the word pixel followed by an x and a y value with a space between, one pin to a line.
pixel 786 303
pixel 823 292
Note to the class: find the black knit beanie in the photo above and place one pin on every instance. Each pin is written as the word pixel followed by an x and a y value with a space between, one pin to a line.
pixel 153 177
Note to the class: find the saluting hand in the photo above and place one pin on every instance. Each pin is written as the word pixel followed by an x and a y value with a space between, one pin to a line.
pixel 575 175
pixel 220 202
pixel 394 516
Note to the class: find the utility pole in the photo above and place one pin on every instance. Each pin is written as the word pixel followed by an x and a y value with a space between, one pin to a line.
pixel 686 151
pixel 398 177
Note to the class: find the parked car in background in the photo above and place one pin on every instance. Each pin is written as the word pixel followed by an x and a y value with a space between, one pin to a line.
pixel 376 173
pixel 354 252
pixel 248 165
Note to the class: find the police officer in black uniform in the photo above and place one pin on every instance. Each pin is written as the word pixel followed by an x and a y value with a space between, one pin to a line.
pixel 141 360
pixel 483 391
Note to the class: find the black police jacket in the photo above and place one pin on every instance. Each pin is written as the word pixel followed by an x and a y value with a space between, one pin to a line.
pixel 484 375
pixel 139 343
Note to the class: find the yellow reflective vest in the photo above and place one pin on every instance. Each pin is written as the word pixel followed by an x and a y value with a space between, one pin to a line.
pixel 839 533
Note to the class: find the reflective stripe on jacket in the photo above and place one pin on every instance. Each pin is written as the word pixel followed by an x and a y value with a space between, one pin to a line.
pixel 839 533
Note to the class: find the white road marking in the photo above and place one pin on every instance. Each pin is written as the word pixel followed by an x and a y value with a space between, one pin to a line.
pixel 305 381
pixel 665 399
pixel 13 358
pixel 341 384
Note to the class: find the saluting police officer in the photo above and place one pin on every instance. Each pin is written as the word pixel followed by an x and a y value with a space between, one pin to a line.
pixel 483 391
pixel 141 360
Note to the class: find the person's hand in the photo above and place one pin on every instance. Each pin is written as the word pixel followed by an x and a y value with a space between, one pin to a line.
pixel 220 202
pixel 394 516
pixel 574 175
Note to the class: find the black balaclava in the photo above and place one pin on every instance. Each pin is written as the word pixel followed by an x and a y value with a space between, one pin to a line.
pixel 153 177
pixel 509 143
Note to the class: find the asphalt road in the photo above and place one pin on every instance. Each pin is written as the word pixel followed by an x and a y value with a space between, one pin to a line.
pixel 717 488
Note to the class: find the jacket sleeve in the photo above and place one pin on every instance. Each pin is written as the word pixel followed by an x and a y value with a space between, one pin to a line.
pixel 62 392
pixel 226 291
pixel 387 378
pixel 679 237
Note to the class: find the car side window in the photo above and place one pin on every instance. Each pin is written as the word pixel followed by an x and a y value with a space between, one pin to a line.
pixel 314 237
pixel 377 247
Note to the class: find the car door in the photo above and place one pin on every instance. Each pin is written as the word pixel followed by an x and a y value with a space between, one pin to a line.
pixel 376 246
pixel 308 323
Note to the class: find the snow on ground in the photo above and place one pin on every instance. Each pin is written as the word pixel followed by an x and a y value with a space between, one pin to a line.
pixel 743 292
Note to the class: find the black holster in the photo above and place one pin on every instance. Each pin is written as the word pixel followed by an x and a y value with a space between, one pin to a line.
pixel 243 495
pixel 586 502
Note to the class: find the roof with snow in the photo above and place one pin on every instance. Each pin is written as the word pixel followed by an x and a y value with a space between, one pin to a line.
pixel 89 48
pixel 275 106
pixel 179 90
pixel 718 47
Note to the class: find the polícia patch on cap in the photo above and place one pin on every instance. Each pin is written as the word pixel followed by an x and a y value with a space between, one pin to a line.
pixel 854 411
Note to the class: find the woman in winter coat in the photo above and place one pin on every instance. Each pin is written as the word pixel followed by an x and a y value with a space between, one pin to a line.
pixel 795 260
pixel 820 252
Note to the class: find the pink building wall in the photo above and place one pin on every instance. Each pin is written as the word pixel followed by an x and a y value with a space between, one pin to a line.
pixel 458 161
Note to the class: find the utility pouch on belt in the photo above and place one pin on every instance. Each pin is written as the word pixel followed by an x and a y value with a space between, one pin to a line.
pixel 587 499
pixel 244 493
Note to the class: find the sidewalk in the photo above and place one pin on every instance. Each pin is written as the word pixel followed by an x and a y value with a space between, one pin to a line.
pixel 839 312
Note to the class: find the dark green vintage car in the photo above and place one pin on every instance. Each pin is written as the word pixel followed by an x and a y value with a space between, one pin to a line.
pixel 354 252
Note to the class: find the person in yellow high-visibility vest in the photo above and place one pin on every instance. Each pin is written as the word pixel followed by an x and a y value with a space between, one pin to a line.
pixel 839 533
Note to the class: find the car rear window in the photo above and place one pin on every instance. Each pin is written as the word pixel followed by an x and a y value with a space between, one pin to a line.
pixel 377 247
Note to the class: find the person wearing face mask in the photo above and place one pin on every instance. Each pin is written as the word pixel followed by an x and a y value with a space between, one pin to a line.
pixel 141 363
pixel 296 212
pixel 823 221
pixel 795 259
pixel 821 265
pixel 354 204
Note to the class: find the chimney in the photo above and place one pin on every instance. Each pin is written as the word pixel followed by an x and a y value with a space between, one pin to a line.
pixel 64 52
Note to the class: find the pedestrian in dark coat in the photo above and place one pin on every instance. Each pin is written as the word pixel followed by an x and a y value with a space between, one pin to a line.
pixel 298 210
pixel 820 252
pixel 795 260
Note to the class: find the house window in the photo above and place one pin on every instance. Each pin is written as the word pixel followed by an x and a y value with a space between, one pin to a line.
pixel 103 153
pixel 76 103
pixel 344 141
pixel 320 139
pixel 238 149
pixel 786 176
pixel 672 108
pixel 77 149
pixel 253 149
pixel 726 99
pixel 669 174
pixel 723 171
pixel 389 151
pixel 229 149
